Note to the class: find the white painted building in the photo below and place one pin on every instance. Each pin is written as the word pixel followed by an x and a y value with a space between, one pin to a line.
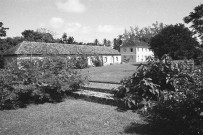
pixel 37 50
pixel 135 53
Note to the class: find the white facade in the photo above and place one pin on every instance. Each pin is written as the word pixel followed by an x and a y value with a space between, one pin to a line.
pixel 106 59
pixel 135 53
pixel 111 59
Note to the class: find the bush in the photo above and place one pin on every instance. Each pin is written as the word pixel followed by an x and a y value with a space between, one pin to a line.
pixel 170 93
pixel 80 61
pixel 96 60
pixel 38 81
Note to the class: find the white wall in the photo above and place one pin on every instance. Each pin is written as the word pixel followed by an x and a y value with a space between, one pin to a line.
pixel 111 59
pixel 107 59
pixel 135 54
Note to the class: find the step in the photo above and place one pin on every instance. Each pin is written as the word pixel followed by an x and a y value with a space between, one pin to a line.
pixel 98 97
pixel 100 87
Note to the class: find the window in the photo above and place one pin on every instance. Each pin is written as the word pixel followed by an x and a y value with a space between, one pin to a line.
pixel 131 49
pixel 105 59
pixel 116 58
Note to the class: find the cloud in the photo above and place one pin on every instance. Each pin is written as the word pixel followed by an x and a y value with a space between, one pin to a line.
pixel 109 29
pixel 105 28
pixel 56 22
pixel 72 27
pixel 86 29
pixel 74 6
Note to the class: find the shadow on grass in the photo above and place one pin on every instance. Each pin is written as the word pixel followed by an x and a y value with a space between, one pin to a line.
pixel 146 129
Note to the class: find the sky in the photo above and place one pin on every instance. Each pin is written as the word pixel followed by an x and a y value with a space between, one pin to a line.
pixel 87 20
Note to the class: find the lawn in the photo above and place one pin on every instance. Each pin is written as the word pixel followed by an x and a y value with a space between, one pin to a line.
pixel 71 117
pixel 110 73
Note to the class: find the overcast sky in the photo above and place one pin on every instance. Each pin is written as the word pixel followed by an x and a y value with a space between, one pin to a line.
pixel 87 20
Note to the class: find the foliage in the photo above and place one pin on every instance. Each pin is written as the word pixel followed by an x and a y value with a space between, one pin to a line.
pixel 8 43
pixel 38 81
pixel 80 61
pixel 169 93
pixel 196 19
pixel 181 111
pixel 2 30
pixel 97 61
pixel 96 42
pixel 145 34
pixel 151 80
pixel 37 36
pixel 175 40
pixel 106 42
pixel 117 42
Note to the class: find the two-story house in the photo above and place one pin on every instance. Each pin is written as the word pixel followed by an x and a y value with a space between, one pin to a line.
pixel 137 52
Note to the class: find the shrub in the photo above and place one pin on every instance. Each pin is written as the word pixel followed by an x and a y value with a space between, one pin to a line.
pixel 96 60
pixel 38 81
pixel 80 61
pixel 171 94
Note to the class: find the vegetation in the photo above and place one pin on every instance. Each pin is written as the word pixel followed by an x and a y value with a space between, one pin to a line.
pixel 37 36
pixel 106 42
pixel 38 81
pixel 170 94
pixel 117 42
pixel 144 34
pixel 97 61
pixel 175 40
pixel 2 30
pixel 196 19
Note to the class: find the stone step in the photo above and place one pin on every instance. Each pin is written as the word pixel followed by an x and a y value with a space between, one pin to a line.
pixel 100 87
pixel 98 97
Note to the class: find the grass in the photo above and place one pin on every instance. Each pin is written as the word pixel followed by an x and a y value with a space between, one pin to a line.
pixel 110 73
pixel 72 117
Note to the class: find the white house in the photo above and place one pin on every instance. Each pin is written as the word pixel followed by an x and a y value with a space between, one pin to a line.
pixel 137 52
pixel 37 50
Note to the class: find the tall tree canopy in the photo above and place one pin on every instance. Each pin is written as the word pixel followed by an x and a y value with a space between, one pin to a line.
pixel 106 42
pixel 117 42
pixel 37 36
pixel 2 30
pixel 196 18
pixel 70 40
pixel 175 40
pixel 143 34
pixel 96 42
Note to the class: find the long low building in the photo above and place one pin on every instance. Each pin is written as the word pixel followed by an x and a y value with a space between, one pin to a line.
pixel 37 50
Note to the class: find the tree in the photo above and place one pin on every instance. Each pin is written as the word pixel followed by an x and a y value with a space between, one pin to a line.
pixel 196 18
pixel 28 35
pixel 2 30
pixel 64 37
pixel 143 34
pixel 108 43
pixel 175 40
pixel 117 42
pixel 37 36
pixel 70 40
pixel 96 42
pixel 104 42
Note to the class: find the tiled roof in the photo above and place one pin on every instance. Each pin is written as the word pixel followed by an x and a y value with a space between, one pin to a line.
pixel 137 43
pixel 37 48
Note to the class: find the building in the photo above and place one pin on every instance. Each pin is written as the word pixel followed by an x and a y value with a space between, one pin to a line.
pixel 137 52
pixel 37 50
